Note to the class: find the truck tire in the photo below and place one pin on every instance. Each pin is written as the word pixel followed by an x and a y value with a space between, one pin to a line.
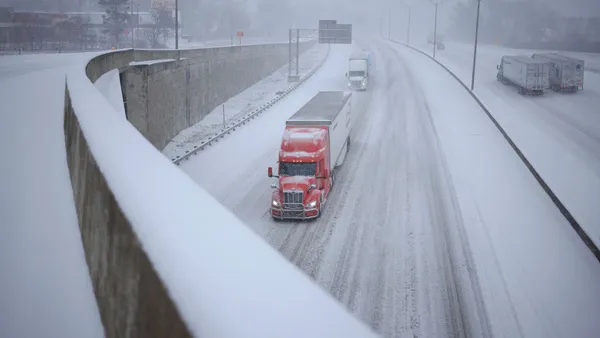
pixel 332 179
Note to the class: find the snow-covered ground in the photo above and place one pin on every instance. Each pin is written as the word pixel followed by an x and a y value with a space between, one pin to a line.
pixel 242 104
pixel 435 227
pixel 46 289
pixel 558 132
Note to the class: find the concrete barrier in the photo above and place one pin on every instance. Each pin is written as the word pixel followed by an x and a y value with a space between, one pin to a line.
pixel 132 300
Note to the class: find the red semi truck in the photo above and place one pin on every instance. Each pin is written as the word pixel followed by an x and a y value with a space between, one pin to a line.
pixel 315 142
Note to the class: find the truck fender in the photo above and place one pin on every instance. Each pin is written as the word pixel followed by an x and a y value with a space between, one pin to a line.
pixel 316 195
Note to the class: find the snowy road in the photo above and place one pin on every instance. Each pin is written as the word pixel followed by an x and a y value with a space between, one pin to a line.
pixel 381 246
pixel 422 236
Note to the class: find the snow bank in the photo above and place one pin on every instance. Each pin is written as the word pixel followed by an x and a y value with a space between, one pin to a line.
pixel 109 85
pixel 537 278
pixel 226 281
pixel 45 288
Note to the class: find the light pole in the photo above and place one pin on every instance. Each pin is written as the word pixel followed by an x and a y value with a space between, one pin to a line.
pixel 475 47
pixel 176 24
pixel 435 30
pixel 408 30
pixel 131 20
pixel 390 24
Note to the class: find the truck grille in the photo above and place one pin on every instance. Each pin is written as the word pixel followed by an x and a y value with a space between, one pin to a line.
pixel 293 200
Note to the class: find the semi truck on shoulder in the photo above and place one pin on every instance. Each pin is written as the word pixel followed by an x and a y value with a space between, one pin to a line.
pixel 360 67
pixel 530 76
pixel 314 144
pixel 566 73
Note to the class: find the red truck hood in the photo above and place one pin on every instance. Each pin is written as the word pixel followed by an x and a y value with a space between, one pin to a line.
pixel 296 183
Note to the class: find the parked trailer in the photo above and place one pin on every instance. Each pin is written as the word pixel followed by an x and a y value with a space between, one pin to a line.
pixel 531 76
pixel 315 142
pixel 566 73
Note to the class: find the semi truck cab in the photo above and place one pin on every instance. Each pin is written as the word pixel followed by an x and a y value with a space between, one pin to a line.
pixel 304 178
pixel 359 70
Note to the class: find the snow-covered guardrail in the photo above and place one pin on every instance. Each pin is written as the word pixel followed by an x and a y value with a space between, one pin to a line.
pixel 557 202
pixel 167 259
pixel 251 115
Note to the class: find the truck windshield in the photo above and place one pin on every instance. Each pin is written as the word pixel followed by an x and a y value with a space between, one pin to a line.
pixel 356 73
pixel 297 169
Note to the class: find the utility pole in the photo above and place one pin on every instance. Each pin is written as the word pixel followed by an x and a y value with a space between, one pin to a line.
pixel 408 30
pixel 435 30
pixel 390 24
pixel 131 20
pixel 475 47
pixel 176 24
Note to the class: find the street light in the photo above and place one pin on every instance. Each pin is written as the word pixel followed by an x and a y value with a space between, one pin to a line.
pixel 176 24
pixel 475 46
pixel 435 30
pixel 435 3
pixel 408 29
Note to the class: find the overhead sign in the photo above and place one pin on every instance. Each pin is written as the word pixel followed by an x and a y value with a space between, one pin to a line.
pixel 168 4
pixel 332 32
pixel 240 33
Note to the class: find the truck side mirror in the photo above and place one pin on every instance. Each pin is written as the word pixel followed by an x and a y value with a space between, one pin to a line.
pixel 498 67
pixel 346 74
pixel 270 172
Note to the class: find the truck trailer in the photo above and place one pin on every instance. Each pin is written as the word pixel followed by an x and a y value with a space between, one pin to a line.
pixel 360 66
pixel 531 76
pixel 566 73
pixel 314 144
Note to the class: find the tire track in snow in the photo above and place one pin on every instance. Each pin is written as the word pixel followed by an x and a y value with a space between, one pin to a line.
pixel 466 300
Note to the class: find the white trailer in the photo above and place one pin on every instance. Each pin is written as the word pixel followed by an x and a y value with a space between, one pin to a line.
pixel 331 109
pixel 531 76
pixel 566 73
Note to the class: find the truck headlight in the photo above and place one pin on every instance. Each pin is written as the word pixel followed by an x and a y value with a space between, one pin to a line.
pixel 311 204
pixel 275 203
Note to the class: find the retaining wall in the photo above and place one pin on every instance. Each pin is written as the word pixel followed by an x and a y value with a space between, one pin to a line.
pixel 161 99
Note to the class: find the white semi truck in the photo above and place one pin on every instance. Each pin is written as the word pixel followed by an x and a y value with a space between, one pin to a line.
pixel 566 73
pixel 360 67
pixel 530 76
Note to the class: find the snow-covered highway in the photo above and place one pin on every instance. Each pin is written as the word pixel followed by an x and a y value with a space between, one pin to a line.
pixel 435 227
pixel 558 133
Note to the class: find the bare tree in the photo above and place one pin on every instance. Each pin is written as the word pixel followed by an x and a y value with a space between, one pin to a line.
pixel 116 18
pixel 162 25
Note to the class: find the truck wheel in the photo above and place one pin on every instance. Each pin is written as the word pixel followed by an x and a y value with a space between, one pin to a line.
pixel 332 179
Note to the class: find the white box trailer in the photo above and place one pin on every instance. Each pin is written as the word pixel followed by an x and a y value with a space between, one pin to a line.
pixel 531 76
pixel 566 73
pixel 333 110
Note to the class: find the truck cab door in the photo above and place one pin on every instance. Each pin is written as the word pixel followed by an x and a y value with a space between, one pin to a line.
pixel 320 181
